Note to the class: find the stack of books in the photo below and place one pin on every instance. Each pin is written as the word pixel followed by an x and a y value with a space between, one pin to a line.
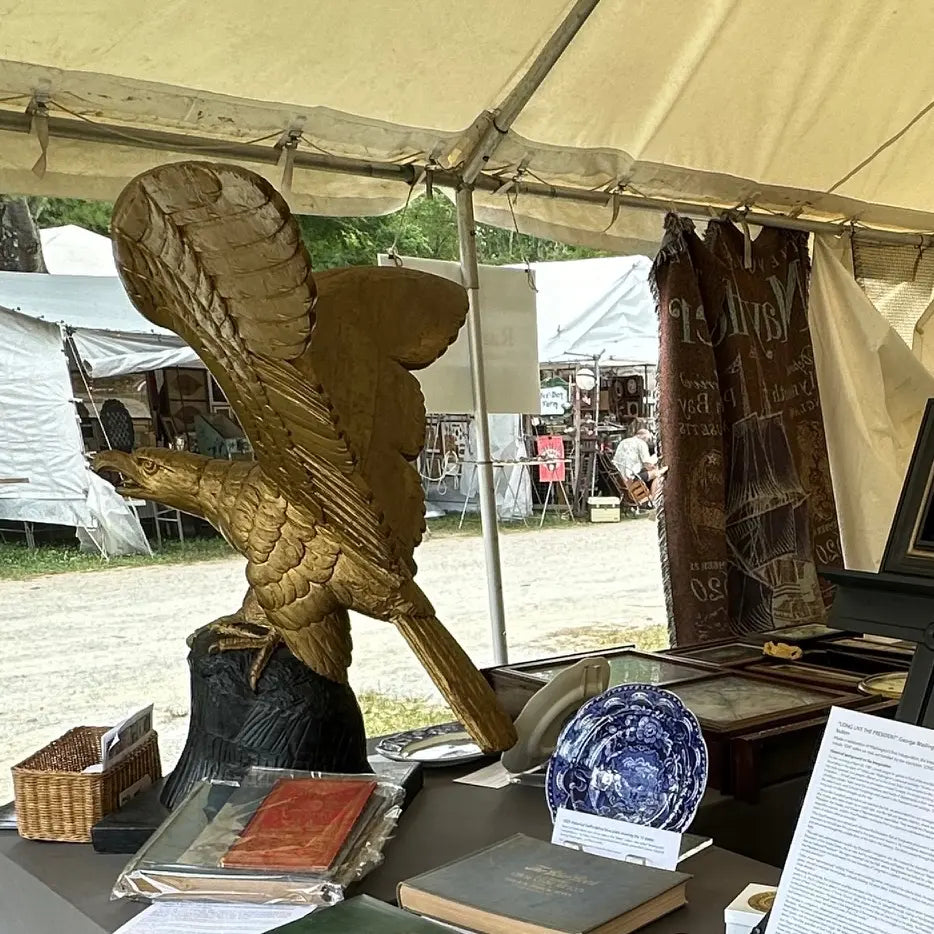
pixel 277 838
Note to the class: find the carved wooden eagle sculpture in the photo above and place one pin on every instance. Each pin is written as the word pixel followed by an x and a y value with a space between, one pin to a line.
pixel 317 369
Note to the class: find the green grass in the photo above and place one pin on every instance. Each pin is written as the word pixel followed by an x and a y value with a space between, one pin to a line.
pixel 17 562
pixel 447 525
pixel 385 713
pixel 596 636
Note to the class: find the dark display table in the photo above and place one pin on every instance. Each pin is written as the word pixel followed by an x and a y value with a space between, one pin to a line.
pixel 40 881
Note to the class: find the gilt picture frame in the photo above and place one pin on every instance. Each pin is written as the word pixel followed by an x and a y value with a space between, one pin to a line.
pixel 910 546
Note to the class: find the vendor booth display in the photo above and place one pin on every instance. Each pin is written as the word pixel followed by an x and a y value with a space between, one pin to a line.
pixel 761 715
pixel 45 475
pixel 585 120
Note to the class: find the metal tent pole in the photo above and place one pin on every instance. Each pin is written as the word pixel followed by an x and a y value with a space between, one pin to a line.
pixel 470 271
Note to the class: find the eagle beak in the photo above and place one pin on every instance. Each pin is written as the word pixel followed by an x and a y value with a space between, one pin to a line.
pixel 120 463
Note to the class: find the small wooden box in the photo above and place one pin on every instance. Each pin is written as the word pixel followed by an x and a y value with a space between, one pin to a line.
pixel 734 703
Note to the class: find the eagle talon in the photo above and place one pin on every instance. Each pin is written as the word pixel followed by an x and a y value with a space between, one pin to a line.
pixel 246 636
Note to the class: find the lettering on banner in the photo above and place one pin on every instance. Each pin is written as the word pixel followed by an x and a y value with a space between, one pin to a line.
pixel 707 589
pixel 768 323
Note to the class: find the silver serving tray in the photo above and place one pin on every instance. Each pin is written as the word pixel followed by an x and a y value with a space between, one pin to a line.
pixel 432 746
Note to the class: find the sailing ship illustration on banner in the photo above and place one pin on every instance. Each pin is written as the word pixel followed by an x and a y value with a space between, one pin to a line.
pixel 772 581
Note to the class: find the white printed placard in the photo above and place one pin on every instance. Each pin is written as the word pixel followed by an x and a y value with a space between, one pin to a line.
pixel 126 737
pixel 616 839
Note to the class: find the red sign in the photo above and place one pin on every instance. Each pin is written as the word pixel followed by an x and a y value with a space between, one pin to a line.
pixel 550 449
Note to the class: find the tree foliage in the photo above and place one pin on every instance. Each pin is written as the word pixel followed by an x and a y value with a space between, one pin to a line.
pixel 427 229
pixel 57 212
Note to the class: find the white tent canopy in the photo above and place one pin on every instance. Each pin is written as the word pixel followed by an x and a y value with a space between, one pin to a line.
pixel 111 337
pixel 74 251
pixel 596 308
pixel 806 107
pixel 42 462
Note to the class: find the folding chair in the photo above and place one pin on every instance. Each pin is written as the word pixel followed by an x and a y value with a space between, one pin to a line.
pixel 633 492
pixel 637 493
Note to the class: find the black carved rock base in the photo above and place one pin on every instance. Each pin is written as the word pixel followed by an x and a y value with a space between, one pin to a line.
pixel 295 719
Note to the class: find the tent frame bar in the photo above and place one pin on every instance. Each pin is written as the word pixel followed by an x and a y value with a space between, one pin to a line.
pixel 499 121
pixel 410 173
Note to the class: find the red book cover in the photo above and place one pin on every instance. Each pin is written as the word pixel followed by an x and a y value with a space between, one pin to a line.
pixel 301 825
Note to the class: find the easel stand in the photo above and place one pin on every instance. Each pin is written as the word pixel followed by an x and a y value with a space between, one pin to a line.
pixel 898 606
pixel 562 490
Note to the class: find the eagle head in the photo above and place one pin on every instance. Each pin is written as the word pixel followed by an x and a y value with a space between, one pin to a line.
pixel 169 477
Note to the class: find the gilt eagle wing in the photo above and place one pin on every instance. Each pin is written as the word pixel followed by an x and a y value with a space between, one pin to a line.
pixel 317 368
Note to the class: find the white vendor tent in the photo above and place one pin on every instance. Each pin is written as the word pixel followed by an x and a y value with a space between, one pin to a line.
pixel 596 308
pixel 74 251
pixel 110 336
pixel 44 476
pixel 40 441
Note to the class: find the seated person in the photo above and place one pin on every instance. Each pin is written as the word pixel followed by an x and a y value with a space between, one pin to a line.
pixel 633 459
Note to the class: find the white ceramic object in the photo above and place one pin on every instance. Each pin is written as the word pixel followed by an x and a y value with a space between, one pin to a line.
pixel 548 710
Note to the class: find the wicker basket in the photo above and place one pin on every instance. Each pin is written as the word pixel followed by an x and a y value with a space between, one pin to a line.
pixel 55 800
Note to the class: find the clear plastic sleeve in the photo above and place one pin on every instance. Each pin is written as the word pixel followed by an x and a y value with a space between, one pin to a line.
pixel 276 837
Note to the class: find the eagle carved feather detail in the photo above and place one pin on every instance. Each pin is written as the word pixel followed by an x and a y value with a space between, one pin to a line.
pixel 318 371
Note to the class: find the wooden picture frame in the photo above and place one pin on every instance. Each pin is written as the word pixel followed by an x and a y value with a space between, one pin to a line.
pixel 899 649
pixel 803 673
pixel 515 683
pixel 823 698
pixel 803 634
pixel 720 734
pixel 866 663
pixel 910 546
pixel 724 653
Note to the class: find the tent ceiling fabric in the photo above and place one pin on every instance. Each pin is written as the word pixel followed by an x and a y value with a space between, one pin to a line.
pixel 721 103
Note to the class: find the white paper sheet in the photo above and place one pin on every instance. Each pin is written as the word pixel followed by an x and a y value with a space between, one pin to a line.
pixel 616 839
pixel 862 857
pixel 490 776
pixel 209 918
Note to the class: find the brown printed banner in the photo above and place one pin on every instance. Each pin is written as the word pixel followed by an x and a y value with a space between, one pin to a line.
pixel 748 509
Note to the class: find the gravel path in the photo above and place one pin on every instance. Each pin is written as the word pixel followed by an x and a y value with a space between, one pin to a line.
pixel 83 648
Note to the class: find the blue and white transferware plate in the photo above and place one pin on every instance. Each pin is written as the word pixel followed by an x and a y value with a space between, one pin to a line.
pixel 634 753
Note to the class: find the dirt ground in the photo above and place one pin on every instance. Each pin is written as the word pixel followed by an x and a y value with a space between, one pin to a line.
pixel 85 648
